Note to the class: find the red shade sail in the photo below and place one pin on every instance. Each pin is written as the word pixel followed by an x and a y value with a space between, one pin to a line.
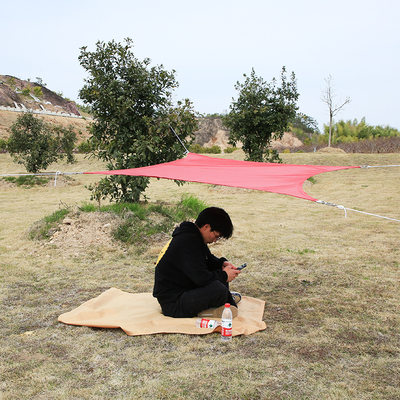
pixel 269 177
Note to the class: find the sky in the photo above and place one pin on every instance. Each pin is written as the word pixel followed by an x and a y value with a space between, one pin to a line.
pixel 211 44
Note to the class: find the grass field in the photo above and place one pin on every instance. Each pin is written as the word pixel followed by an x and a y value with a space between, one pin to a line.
pixel 330 283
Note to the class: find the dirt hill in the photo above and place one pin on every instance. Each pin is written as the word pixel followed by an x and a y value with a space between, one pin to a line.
pixel 17 95
pixel 23 95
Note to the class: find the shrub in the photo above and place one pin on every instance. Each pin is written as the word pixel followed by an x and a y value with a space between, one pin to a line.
pixel 214 150
pixel 26 92
pixel 197 148
pixel 230 150
pixel 37 91
pixel 84 147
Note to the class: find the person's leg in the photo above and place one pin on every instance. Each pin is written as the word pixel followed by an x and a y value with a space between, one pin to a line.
pixel 194 301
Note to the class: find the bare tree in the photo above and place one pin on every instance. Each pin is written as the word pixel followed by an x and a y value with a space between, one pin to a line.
pixel 328 98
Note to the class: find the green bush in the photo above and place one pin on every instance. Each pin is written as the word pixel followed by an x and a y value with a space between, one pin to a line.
pixel 37 91
pixel 230 150
pixel 26 91
pixel 197 148
pixel 214 149
pixel 84 147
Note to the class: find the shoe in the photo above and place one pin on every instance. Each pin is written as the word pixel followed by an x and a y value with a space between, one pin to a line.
pixel 217 312
pixel 237 297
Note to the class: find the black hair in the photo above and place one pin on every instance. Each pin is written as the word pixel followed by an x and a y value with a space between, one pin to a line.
pixel 218 219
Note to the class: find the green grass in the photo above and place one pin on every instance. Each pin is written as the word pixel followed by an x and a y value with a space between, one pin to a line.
pixel 43 229
pixel 56 216
pixel 27 181
pixel 142 220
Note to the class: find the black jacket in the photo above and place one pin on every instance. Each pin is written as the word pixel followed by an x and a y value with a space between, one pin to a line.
pixel 187 264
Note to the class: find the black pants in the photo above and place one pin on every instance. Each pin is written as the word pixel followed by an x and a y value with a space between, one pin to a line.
pixel 194 301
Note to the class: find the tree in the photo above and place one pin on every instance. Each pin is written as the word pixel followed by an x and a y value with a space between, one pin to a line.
pixel 306 129
pixel 306 123
pixel 39 81
pixel 37 144
pixel 133 116
pixel 328 98
pixel 261 113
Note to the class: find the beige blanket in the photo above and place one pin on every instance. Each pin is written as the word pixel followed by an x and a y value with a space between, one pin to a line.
pixel 140 314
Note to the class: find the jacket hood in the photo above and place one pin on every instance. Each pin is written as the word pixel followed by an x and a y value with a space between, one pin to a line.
pixel 186 227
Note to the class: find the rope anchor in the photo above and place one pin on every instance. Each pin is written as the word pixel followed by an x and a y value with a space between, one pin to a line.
pixel 340 207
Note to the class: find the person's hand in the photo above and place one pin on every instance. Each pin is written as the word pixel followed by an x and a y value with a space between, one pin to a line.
pixel 228 264
pixel 231 271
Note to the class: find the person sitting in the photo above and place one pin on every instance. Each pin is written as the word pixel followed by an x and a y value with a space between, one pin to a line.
pixel 189 279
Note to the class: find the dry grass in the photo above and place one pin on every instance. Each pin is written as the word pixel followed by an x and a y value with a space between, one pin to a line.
pixel 331 286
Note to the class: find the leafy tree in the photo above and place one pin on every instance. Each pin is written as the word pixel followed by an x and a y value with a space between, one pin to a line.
pixel 261 113
pixel 305 128
pixel 133 115
pixel 37 144
pixel 304 122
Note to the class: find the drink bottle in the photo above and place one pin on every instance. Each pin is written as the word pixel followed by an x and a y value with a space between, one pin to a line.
pixel 226 323
pixel 207 323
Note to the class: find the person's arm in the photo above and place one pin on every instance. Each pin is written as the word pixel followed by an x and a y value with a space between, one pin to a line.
pixel 192 262
pixel 216 263
pixel 213 262
pixel 231 271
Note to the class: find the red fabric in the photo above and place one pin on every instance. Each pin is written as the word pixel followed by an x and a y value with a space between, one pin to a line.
pixel 270 177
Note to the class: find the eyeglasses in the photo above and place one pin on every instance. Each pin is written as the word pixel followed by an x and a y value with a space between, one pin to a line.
pixel 217 235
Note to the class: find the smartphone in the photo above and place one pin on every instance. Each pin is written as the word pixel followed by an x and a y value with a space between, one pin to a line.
pixel 242 266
